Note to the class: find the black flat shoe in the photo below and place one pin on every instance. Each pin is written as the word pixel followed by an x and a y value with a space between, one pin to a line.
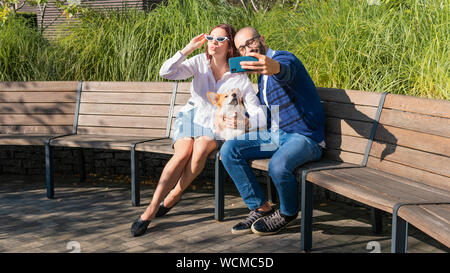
pixel 163 210
pixel 139 227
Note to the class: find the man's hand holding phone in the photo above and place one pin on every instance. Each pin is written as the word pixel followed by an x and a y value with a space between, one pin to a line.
pixel 264 65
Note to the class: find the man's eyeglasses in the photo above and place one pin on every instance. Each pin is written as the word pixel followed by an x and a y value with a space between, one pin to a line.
pixel 219 39
pixel 249 43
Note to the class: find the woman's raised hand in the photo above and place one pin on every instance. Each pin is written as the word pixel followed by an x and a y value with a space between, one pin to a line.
pixel 194 44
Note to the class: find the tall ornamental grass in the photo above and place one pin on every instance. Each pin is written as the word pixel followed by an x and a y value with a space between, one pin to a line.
pixel 398 46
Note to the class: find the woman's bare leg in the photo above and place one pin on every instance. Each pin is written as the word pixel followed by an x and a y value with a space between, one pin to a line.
pixel 170 175
pixel 203 146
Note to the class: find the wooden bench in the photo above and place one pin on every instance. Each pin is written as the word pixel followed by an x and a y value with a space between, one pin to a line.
pixel 408 164
pixel 32 112
pixel 117 116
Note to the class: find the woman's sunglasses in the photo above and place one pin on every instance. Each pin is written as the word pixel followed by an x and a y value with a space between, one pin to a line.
pixel 219 39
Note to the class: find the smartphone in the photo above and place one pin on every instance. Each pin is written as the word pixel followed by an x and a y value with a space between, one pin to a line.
pixel 234 63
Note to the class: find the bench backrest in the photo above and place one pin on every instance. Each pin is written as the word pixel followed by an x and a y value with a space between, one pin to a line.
pixel 41 108
pixel 350 116
pixel 413 140
pixel 126 108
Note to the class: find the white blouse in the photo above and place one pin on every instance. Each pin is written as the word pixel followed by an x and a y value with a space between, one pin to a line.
pixel 178 68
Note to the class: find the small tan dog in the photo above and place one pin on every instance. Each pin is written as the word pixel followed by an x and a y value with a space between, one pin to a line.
pixel 231 105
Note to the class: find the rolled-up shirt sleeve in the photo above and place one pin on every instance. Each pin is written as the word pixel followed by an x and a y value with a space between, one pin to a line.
pixel 178 68
pixel 257 118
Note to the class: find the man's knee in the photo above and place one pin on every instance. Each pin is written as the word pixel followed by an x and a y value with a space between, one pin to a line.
pixel 278 170
pixel 228 150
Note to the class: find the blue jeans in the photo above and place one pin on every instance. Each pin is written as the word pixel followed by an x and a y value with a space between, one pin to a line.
pixel 286 150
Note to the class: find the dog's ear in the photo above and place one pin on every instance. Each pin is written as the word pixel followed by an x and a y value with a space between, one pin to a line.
pixel 238 92
pixel 213 97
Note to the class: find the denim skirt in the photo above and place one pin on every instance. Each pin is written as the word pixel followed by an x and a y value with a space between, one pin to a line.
pixel 184 126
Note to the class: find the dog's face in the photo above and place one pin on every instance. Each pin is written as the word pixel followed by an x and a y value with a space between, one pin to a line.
pixel 227 102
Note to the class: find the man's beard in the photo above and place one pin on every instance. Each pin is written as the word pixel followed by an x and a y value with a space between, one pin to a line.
pixel 260 49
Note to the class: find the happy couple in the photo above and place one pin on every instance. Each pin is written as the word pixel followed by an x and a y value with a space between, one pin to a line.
pixel 295 137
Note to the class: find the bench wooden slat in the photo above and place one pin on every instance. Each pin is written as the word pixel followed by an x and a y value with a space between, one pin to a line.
pixel 28 96
pixel 427 178
pixel 434 220
pixel 35 129
pixel 125 87
pixel 414 140
pixel 144 132
pixel 24 139
pixel 346 143
pixel 375 188
pixel 98 141
pixel 348 111
pixel 122 121
pixel 417 122
pixel 432 107
pixel 125 109
pixel 348 127
pixel 349 96
pixel 132 98
pixel 36 119
pixel 343 156
pixel 417 159
pixel 37 108
pixel 39 86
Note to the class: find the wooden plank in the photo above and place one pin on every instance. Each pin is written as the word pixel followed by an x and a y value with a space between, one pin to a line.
pixel 97 141
pixel 36 119
pixel 412 139
pixel 415 174
pixel 260 164
pixel 372 189
pixel 432 107
pixel 416 159
pixel 124 109
pixel 33 96
pixel 349 96
pixel 24 139
pixel 434 220
pixel 121 131
pixel 39 86
pixel 163 146
pixel 383 181
pixel 184 88
pixel 37 108
pixel 349 111
pixel 122 121
pixel 132 98
pixel 343 156
pixel 126 87
pixel 21 129
pixel 416 122
pixel 348 127
pixel 346 143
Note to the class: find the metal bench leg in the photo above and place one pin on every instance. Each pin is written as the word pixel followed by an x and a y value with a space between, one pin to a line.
pixel 377 223
pixel 49 171
pixel 81 164
pixel 135 179
pixel 271 191
pixel 219 195
pixel 307 215
pixel 399 235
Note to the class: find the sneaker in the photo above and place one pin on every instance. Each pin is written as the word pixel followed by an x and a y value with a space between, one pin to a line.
pixel 272 224
pixel 244 227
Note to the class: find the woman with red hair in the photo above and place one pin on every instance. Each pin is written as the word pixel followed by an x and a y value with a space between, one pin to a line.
pixel 193 137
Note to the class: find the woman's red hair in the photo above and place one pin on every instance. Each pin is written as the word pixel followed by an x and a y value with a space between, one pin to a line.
pixel 232 51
